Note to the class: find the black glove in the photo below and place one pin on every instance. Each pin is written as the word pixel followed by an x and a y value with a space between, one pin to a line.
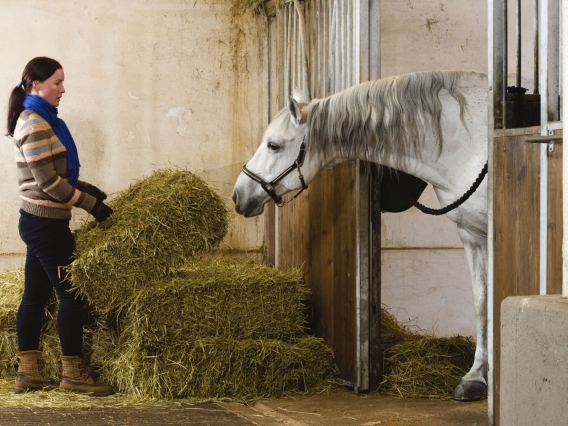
pixel 95 192
pixel 101 211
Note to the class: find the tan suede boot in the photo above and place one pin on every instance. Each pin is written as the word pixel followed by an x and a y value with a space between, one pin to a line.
pixel 77 378
pixel 30 373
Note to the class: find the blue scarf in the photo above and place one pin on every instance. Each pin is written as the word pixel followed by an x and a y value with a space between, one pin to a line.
pixel 49 113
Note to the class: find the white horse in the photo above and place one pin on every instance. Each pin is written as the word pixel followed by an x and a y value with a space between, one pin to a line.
pixel 432 125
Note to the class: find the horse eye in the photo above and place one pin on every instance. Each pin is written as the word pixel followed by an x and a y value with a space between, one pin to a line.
pixel 273 147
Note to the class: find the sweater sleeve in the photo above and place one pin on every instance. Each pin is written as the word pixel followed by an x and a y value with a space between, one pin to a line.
pixel 42 151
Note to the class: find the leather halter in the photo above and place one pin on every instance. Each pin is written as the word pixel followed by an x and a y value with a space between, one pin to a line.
pixel 269 186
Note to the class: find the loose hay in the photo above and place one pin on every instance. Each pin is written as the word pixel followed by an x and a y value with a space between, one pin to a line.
pixel 417 366
pixel 158 223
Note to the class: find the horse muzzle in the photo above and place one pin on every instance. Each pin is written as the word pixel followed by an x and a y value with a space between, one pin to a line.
pixel 251 209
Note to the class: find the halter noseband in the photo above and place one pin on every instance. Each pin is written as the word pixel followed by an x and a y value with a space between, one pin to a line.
pixel 269 186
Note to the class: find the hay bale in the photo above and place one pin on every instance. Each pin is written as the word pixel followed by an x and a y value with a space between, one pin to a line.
pixel 222 298
pixel 158 223
pixel 219 328
pixel 418 366
pixel 216 368
pixel 11 290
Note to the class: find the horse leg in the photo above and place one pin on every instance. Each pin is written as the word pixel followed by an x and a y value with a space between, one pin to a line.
pixel 473 386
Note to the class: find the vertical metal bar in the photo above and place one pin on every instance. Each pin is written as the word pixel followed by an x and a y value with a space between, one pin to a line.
pixel 561 63
pixel 269 67
pixel 338 49
pixel 496 57
pixel 374 64
pixel 333 36
pixel 543 89
pixel 564 157
pixel 519 49
pixel 505 64
pixel 549 61
pixel 286 69
pixel 536 47
pixel 549 105
pixel 341 46
pixel 325 48
pixel 360 65
pixel 320 51
pixel 293 49
pixel 350 57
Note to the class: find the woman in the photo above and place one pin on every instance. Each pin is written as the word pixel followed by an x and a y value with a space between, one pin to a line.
pixel 48 176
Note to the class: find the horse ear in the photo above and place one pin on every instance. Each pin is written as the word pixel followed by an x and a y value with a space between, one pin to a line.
pixel 299 96
pixel 296 110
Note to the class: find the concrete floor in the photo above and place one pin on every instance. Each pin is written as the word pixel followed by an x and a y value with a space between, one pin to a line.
pixel 341 407
pixel 345 408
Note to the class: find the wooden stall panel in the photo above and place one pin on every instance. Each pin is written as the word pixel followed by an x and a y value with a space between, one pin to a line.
pixel 317 234
pixel 516 227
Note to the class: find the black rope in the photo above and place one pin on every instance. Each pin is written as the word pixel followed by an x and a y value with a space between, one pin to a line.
pixel 458 202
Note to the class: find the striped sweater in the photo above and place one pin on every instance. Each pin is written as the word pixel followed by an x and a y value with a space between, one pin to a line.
pixel 42 171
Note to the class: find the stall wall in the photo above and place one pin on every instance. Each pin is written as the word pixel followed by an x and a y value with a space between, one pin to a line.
pixel 148 84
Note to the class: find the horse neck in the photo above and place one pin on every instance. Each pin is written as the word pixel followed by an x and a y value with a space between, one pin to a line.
pixel 427 162
pixel 423 159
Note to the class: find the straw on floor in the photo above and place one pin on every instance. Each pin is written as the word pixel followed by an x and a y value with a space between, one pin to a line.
pixel 422 366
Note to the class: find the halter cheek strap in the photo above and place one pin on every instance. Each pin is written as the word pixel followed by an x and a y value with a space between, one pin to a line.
pixel 269 186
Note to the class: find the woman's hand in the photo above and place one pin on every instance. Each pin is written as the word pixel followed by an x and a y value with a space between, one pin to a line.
pixel 101 211
pixel 95 192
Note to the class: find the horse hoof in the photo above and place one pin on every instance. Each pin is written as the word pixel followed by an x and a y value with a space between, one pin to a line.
pixel 469 390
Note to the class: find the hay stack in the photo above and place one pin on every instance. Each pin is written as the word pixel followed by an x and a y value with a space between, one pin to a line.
pixel 170 323
pixel 158 223
pixel 221 328
pixel 418 366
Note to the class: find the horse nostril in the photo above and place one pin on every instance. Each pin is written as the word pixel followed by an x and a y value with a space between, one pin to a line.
pixel 235 198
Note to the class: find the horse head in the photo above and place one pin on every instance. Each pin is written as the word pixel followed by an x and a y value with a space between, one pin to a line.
pixel 280 164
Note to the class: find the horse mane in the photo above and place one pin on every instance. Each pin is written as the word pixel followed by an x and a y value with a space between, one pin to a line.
pixel 392 113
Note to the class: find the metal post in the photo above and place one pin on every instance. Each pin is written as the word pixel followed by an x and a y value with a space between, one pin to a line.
pixel 519 50
pixel 505 63
pixel 564 157
pixel 496 83
pixel 549 105
pixel 536 45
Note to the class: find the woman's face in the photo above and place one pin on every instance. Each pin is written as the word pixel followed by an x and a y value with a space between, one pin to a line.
pixel 51 89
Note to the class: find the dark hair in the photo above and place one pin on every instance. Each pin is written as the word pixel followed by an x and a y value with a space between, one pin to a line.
pixel 38 69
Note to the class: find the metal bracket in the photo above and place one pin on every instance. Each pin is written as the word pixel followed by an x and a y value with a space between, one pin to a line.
pixel 545 139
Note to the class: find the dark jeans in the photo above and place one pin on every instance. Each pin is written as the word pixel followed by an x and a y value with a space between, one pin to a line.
pixel 50 246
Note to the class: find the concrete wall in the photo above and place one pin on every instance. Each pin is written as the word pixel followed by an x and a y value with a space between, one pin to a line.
pixel 534 377
pixel 148 84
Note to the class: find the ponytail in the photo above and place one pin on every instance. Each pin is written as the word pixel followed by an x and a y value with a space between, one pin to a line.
pixel 38 69
pixel 15 108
